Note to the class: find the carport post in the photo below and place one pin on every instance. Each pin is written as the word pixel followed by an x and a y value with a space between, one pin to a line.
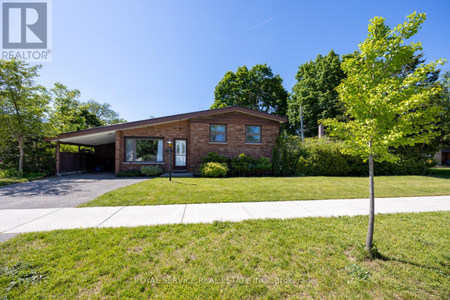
pixel 79 158
pixel 57 158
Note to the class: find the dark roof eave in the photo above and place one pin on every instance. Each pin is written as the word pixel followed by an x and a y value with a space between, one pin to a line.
pixel 168 119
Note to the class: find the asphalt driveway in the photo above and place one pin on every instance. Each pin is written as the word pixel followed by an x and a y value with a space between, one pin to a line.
pixel 65 191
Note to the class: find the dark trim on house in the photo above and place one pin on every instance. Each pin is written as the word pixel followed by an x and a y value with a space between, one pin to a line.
pixel 168 119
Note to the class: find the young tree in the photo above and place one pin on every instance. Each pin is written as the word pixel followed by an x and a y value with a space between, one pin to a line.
pixel 315 91
pixel 23 103
pixel 384 108
pixel 256 88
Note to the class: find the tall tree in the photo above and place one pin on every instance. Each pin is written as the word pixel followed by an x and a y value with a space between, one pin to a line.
pixel 70 114
pixel 315 91
pixel 65 104
pixel 104 112
pixel 23 103
pixel 445 116
pixel 384 109
pixel 257 88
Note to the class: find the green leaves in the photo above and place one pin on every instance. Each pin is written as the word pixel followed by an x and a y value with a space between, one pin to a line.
pixel 387 106
pixel 23 103
pixel 70 114
pixel 29 112
pixel 257 88
pixel 315 92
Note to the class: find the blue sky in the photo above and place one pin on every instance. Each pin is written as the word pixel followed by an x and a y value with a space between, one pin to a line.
pixel 166 57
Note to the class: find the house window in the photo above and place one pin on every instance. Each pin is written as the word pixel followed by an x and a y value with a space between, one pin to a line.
pixel 144 149
pixel 218 133
pixel 253 134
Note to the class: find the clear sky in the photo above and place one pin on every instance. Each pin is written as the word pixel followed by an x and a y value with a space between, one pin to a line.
pixel 166 57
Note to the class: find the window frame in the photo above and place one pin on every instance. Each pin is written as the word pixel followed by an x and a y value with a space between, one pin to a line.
pixel 226 134
pixel 134 149
pixel 253 134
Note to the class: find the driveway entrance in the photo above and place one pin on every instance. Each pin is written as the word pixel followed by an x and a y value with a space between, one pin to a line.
pixel 65 191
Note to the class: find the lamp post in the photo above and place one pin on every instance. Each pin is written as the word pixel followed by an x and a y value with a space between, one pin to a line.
pixel 170 159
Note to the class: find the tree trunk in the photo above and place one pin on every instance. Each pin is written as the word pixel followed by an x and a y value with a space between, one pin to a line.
pixel 20 154
pixel 369 240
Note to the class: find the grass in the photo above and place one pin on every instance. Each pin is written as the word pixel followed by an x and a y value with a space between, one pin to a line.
pixel 7 180
pixel 297 258
pixel 209 190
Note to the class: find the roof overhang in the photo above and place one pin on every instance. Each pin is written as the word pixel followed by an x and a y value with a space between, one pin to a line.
pixel 106 134
pixel 93 139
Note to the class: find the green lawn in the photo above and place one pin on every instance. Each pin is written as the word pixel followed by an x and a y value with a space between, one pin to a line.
pixel 205 190
pixel 310 257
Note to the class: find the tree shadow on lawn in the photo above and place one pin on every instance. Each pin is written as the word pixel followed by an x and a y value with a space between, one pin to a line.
pixel 376 255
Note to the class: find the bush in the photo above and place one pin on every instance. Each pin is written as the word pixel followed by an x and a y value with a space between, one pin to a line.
pixel 262 166
pixel 39 156
pixel 214 169
pixel 11 173
pixel 214 157
pixel 323 157
pixel 129 173
pixel 151 171
pixel 285 166
pixel 276 168
pixel 8 173
pixel 242 165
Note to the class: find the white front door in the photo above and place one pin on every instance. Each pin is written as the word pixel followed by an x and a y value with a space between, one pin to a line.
pixel 180 154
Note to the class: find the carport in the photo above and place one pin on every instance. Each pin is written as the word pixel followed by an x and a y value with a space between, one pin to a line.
pixel 102 159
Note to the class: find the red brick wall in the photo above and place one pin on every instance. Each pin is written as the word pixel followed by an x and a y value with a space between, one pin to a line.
pixel 196 132
pixel 167 131
pixel 235 145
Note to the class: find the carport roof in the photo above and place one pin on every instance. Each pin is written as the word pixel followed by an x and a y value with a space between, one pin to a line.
pixel 106 134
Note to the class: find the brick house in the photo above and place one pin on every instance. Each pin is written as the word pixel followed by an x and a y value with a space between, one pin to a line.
pixel 228 131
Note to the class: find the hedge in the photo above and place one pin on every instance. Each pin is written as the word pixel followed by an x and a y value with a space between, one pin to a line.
pixel 243 165
pixel 323 157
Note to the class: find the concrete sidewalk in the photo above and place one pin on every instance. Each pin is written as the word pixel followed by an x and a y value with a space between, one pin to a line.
pixel 28 220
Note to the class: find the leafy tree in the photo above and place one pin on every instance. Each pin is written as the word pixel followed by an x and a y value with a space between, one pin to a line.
pixel 70 114
pixel 66 104
pixel 384 109
pixel 257 88
pixel 444 100
pixel 85 119
pixel 104 112
pixel 23 103
pixel 315 91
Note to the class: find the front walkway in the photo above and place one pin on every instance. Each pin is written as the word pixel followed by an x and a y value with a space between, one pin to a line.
pixel 28 220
